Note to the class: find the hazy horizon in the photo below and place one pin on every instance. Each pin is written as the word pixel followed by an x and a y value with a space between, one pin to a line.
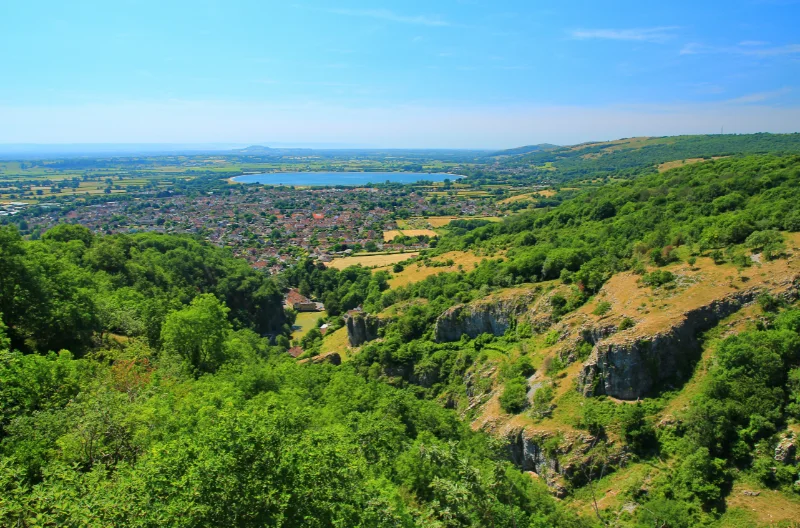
pixel 455 74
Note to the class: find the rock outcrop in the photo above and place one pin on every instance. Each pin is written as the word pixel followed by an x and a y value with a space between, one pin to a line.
pixel 571 462
pixel 361 328
pixel 493 315
pixel 629 366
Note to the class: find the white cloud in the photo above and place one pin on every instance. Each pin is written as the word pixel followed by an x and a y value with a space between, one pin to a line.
pixel 747 48
pixel 789 49
pixel 654 34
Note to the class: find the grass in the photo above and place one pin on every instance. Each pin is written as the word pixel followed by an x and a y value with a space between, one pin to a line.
pixel 336 342
pixel 680 163
pixel 388 236
pixel 305 322
pixel 417 271
pixel 371 261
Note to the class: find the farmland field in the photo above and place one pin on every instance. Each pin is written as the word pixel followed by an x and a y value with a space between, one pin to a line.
pixel 418 271
pixel 369 261
pixel 390 235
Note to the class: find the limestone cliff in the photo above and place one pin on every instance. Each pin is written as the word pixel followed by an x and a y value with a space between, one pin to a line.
pixel 361 328
pixel 570 461
pixel 629 365
pixel 492 315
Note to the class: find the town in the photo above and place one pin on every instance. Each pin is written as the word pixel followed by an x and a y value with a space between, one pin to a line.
pixel 271 227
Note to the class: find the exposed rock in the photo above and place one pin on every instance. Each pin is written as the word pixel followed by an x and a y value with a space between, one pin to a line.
pixel 566 463
pixel 749 493
pixel 630 367
pixel 333 358
pixel 786 450
pixel 361 328
pixel 493 315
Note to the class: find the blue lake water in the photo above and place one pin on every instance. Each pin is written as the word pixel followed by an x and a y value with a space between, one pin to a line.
pixel 341 178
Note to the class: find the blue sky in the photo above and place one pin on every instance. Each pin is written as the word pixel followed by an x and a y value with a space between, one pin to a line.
pixel 440 73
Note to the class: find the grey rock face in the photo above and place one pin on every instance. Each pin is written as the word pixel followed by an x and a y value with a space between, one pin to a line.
pixel 529 456
pixel 635 367
pixel 361 328
pixel 786 450
pixel 490 316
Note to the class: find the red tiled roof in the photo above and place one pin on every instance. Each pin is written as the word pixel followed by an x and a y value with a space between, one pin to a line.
pixel 294 297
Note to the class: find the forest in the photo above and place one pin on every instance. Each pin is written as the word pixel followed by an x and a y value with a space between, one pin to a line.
pixel 723 210
pixel 137 389
pixel 144 379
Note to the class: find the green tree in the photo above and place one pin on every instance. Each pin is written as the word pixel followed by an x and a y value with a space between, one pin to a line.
pixel 197 333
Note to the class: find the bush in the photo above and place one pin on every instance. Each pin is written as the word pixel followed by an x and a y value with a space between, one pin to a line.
pixel 602 308
pixel 543 401
pixel 626 323
pixel 515 396
pixel 769 303
pixel 636 428
pixel 397 268
pixel 658 278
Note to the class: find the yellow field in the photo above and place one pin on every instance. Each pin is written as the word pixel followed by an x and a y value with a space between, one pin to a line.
pixel 418 271
pixel 680 163
pixel 545 193
pixel 370 261
pixel 305 322
pixel 517 198
pixel 388 236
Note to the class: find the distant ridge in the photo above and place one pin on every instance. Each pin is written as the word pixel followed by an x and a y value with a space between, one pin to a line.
pixel 260 149
pixel 541 147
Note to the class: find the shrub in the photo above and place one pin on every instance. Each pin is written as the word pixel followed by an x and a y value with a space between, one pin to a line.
pixel 515 396
pixel 602 308
pixel 768 302
pixel 542 401
pixel 636 428
pixel 658 278
pixel 626 323
pixel 397 268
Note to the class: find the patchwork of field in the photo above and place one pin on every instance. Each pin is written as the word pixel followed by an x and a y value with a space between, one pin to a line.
pixel 418 271
pixel 388 236
pixel 370 261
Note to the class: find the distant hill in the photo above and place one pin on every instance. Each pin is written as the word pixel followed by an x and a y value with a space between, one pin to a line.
pixel 525 150
pixel 260 150
pixel 630 156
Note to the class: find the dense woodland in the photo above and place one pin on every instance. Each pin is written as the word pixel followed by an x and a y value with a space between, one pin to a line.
pixel 144 379
pixel 726 209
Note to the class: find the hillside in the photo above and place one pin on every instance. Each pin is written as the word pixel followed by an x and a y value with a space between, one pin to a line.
pixel 628 357
pixel 631 156
pixel 601 337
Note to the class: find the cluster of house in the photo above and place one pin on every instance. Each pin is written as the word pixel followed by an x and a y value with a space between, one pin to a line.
pixel 12 208
pixel 269 227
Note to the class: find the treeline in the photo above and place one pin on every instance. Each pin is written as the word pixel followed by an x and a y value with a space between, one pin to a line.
pixel 708 207
pixel 339 290
pixel 621 160
pixel 724 209
pixel 186 416
pixel 70 287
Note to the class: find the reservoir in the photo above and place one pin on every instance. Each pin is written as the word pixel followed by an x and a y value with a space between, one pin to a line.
pixel 341 178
